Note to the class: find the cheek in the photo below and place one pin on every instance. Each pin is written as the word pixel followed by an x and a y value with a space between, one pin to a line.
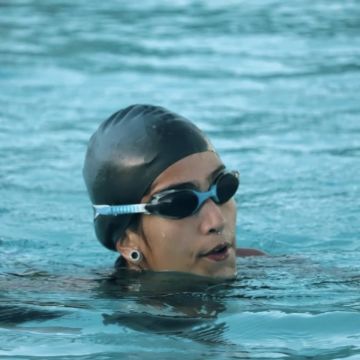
pixel 229 211
pixel 171 245
pixel 166 237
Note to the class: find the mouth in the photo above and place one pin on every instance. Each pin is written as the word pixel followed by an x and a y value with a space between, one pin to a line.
pixel 218 253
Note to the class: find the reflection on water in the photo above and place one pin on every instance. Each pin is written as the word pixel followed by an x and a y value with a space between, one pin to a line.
pixel 13 315
pixel 270 294
pixel 169 303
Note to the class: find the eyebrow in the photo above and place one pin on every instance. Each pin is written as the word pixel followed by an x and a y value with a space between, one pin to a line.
pixel 193 184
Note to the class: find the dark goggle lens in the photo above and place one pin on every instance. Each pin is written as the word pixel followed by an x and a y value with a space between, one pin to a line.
pixel 226 188
pixel 183 203
pixel 177 205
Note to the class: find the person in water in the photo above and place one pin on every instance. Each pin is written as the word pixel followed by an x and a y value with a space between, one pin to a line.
pixel 161 195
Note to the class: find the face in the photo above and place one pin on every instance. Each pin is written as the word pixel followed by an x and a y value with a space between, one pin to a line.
pixel 203 243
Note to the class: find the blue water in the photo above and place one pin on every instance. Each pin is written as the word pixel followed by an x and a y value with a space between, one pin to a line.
pixel 276 86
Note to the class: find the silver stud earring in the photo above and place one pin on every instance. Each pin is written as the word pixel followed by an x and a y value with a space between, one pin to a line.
pixel 135 256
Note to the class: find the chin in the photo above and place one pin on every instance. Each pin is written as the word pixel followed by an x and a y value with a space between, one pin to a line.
pixel 225 275
pixel 225 269
pixel 227 272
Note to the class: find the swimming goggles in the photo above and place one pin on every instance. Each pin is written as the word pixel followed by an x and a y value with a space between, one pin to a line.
pixel 178 203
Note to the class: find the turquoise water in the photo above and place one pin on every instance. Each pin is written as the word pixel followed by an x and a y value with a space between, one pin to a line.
pixel 275 85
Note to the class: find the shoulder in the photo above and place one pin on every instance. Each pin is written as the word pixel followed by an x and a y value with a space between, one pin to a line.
pixel 249 252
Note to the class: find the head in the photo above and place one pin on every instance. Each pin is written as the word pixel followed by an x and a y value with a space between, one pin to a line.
pixel 140 152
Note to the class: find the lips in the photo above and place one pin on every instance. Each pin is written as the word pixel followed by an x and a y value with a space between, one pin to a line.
pixel 217 253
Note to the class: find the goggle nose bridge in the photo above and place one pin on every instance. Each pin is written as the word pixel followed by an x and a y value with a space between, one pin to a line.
pixel 210 194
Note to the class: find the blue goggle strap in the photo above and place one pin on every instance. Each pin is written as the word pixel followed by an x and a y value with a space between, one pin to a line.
pixel 113 210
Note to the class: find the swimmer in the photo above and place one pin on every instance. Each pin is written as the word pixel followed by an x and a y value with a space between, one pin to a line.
pixel 161 195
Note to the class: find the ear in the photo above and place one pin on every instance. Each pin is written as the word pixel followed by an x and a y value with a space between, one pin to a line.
pixel 131 241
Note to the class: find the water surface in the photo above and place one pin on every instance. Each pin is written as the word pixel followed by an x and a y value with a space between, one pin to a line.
pixel 274 84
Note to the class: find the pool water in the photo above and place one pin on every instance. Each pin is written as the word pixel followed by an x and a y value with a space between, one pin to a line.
pixel 276 87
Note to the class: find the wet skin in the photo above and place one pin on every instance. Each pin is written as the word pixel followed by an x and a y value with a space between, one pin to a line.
pixel 201 244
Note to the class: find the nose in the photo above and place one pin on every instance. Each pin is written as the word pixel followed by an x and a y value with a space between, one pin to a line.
pixel 212 220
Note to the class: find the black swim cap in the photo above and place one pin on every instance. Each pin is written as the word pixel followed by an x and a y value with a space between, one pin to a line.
pixel 127 153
